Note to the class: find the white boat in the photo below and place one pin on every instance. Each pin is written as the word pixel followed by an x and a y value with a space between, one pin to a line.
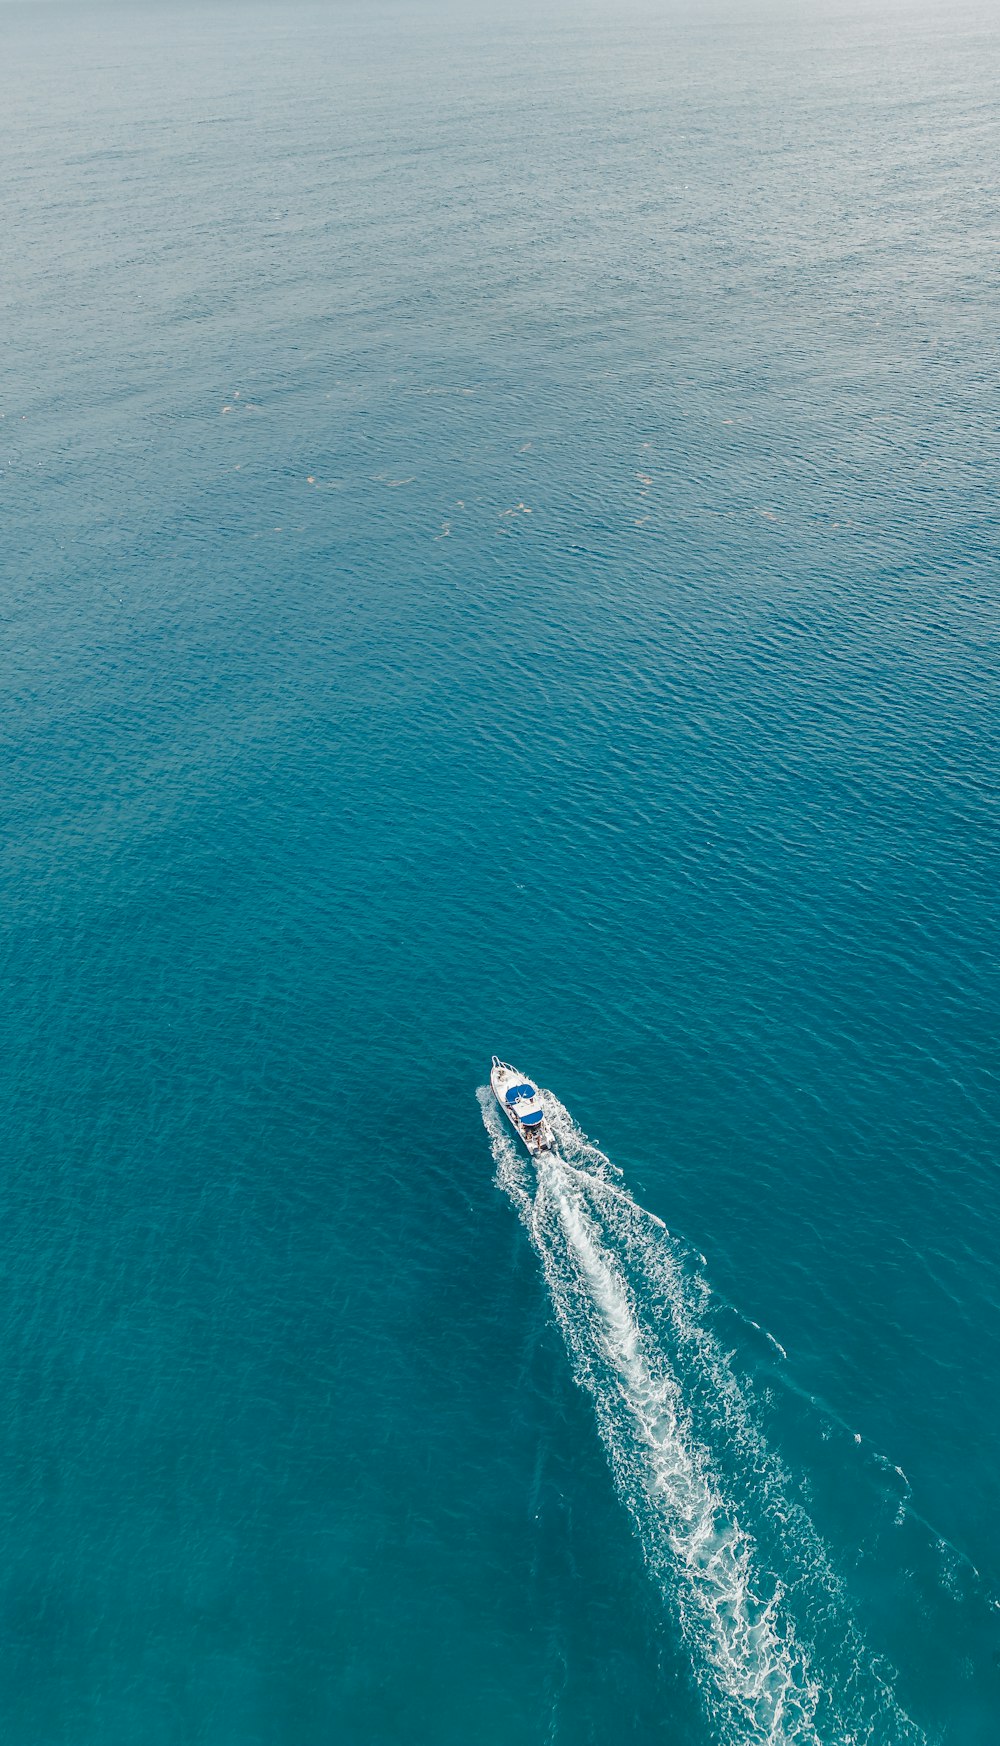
pixel 521 1102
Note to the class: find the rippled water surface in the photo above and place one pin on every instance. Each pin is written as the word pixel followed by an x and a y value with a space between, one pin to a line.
pixel 499 553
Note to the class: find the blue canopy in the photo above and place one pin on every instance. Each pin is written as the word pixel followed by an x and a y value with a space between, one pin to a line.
pixel 517 1091
pixel 531 1119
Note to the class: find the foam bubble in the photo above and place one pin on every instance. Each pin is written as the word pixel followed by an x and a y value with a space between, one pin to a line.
pixel 690 1462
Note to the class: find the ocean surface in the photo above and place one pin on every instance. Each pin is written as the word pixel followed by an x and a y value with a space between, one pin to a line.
pixel 500 553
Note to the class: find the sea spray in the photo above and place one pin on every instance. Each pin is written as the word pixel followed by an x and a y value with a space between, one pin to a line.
pixel 762 1612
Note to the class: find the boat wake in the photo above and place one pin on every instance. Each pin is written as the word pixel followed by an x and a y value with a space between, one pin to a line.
pixel 762 1612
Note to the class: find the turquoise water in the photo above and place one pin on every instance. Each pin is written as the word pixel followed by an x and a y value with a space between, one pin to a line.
pixel 500 550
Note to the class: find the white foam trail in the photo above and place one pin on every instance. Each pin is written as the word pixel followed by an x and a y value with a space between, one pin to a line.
pixel 667 1401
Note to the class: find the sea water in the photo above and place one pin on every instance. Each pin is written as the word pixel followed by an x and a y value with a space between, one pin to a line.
pixel 500 554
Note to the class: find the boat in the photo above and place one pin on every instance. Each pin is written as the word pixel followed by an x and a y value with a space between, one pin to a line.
pixel 521 1102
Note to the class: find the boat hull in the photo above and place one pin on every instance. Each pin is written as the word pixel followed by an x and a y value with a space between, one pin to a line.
pixel 537 1135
